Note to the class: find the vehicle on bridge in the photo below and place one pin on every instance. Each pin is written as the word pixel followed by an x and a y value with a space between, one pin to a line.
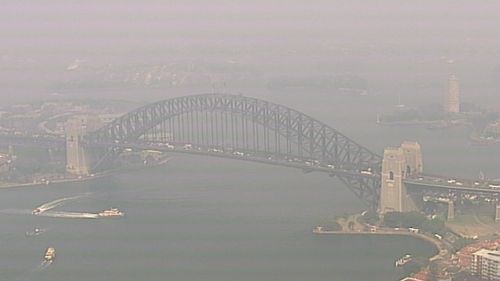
pixel 366 172
pixel 494 185
pixel 237 153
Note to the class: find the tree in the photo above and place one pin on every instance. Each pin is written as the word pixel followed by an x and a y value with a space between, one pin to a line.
pixel 392 219
pixel 350 225
pixel 371 217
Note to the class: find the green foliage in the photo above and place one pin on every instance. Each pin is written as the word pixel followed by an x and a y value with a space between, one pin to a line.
pixel 415 220
pixel 350 225
pixel 436 225
pixel 461 243
pixel 336 226
pixel 371 217
pixel 409 219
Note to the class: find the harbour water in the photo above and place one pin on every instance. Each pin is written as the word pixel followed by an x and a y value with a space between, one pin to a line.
pixel 232 221
pixel 198 218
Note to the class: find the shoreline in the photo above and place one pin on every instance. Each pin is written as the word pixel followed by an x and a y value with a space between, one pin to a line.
pixel 81 178
pixel 441 249
pixel 58 181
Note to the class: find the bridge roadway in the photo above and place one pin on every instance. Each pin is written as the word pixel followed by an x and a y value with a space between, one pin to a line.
pixel 453 184
pixel 423 181
pixel 48 141
pixel 307 165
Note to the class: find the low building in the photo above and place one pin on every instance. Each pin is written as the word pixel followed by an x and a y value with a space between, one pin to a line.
pixel 486 264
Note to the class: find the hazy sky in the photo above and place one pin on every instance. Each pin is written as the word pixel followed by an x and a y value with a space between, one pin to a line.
pixel 409 41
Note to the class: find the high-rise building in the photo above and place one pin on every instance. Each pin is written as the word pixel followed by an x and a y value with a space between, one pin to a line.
pixel 452 100
pixel 486 264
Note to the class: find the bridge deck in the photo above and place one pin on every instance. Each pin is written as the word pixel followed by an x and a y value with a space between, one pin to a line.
pixel 436 182
pixel 304 164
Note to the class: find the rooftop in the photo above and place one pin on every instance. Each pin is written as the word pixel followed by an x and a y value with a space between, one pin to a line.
pixel 489 254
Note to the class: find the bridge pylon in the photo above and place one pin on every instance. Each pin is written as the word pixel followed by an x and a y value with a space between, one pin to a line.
pixel 413 156
pixel 77 158
pixel 399 163
pixel 497 212
pixel 451 211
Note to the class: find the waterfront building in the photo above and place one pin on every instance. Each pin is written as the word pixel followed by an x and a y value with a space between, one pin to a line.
pixel 486 264
pixel 452 100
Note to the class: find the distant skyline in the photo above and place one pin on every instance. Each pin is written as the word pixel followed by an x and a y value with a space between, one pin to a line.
pixel 404 48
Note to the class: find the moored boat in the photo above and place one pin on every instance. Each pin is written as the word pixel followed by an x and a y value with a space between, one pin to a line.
pixel 403 260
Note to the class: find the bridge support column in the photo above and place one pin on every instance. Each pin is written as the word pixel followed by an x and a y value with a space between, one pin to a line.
pixel 451 211
pixel 77 160
pixel 413 157
pixel 497 212
pixel 399 163
pixel 393 191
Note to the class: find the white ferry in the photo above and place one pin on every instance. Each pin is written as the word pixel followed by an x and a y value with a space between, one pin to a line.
pixel 404 260
pixel 113 212
pixel 50 254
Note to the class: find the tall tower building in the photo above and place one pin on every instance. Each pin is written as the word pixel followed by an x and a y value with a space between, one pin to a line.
pixel 452 101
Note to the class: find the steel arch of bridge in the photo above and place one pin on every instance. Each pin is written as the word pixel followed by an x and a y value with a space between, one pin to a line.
pixel 239 123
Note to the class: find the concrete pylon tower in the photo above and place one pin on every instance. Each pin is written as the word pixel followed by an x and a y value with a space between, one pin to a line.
pixel 451 211
pixel 393 192
pixel 452 100
pixel 77 161
pixel 497 212
pixel 413 156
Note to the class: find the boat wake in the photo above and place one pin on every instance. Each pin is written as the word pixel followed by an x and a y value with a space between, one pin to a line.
pixel 56 203
pixel 31 273
pixel 43 265
pixel 37 231
pixel 69 215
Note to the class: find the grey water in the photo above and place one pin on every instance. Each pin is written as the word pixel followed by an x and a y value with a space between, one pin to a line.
pixel 232 221
pixel 200 218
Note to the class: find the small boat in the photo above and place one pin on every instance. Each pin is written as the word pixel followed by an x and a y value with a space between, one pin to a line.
pixel 36 231
pixel 50 254
pixel 403 260
pixel 113 212
pixel 36 211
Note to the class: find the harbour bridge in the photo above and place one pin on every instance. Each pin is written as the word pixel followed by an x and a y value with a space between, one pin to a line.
pixel 243 128
pixel 251 129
